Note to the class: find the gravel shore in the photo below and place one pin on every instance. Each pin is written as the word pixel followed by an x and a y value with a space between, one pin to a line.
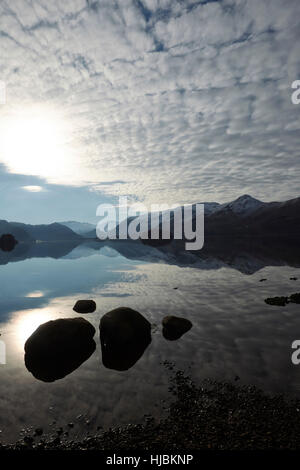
pixel 214 415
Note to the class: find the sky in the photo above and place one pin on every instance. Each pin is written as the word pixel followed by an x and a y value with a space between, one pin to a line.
pixel 163 101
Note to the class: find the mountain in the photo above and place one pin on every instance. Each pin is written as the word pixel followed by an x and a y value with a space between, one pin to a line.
pixel 81 228
pixel 245 216
pixel 91 234
pixel 18 232
pixel 249 217
pixel 242 206
pixel 30 233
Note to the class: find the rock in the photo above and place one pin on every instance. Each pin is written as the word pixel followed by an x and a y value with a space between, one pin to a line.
pixel 293 278
pixel 263 279
pixel 124 336
pixel 38 432
pixel 59 347
pixel 280 301
pixel 28 439
pixel 175 327
pixel 85 306
pixel 7 242
pixel 295 298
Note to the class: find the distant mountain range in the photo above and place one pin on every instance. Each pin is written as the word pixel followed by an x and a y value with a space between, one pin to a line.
pixel 245 216
pixel 81 228
pixel 31 233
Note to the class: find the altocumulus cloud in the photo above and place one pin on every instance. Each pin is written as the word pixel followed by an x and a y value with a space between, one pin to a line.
pixel 181 100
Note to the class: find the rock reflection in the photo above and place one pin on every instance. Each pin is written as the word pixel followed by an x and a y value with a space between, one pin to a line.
pixel 124 336
pixel 58 347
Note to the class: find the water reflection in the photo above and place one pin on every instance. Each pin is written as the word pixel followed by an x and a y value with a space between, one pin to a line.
pixel 234 332
pixel 245 255
pixel 35 294
pixel 59 347
pixel 27 322
pixel 124 336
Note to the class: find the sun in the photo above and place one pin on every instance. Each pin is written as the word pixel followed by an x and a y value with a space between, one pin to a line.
pixel 36 141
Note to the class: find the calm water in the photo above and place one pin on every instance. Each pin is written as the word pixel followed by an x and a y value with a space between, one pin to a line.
pixel 234 332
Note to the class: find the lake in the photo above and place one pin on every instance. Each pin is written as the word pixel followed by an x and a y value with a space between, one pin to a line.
pixel 234 334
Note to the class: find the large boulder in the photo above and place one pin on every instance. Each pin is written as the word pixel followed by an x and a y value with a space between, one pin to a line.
pixel 58 347
pixel 85 306
pixel 7 242
pixel 175 327
pixel 124 336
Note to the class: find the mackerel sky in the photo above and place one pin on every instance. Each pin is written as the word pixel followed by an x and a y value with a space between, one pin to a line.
pixel 173 101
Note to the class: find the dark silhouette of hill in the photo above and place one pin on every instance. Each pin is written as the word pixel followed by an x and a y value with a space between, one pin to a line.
pixel 274 219
pixel 51 232
pixel 17 231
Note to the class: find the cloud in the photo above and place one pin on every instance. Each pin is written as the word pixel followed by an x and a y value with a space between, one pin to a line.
pixel 180 100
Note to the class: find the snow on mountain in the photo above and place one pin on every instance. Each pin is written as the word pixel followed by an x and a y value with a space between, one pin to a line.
pixel 243 205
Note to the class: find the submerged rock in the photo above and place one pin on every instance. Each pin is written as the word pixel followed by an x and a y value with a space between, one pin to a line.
pixel 85 306
pixel 124 336
pixel 175 327
pixel 58 347
pixel 7 242
pixel 280 301
pixel 295 298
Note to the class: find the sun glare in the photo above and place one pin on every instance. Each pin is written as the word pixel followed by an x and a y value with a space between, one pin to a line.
pixel 36 141
pixel 26 322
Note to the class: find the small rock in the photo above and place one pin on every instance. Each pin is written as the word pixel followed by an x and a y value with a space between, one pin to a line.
pixel 28 439
pixel 71 425
pixel 263 279
pixel 56 441
pixel 7 242
pixel 85 306
pixel 175 327
pixel 38 431
pixel 293 278
pixel 295 298
pixel 280 301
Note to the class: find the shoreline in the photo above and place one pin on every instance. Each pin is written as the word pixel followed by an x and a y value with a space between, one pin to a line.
pixel 213 415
